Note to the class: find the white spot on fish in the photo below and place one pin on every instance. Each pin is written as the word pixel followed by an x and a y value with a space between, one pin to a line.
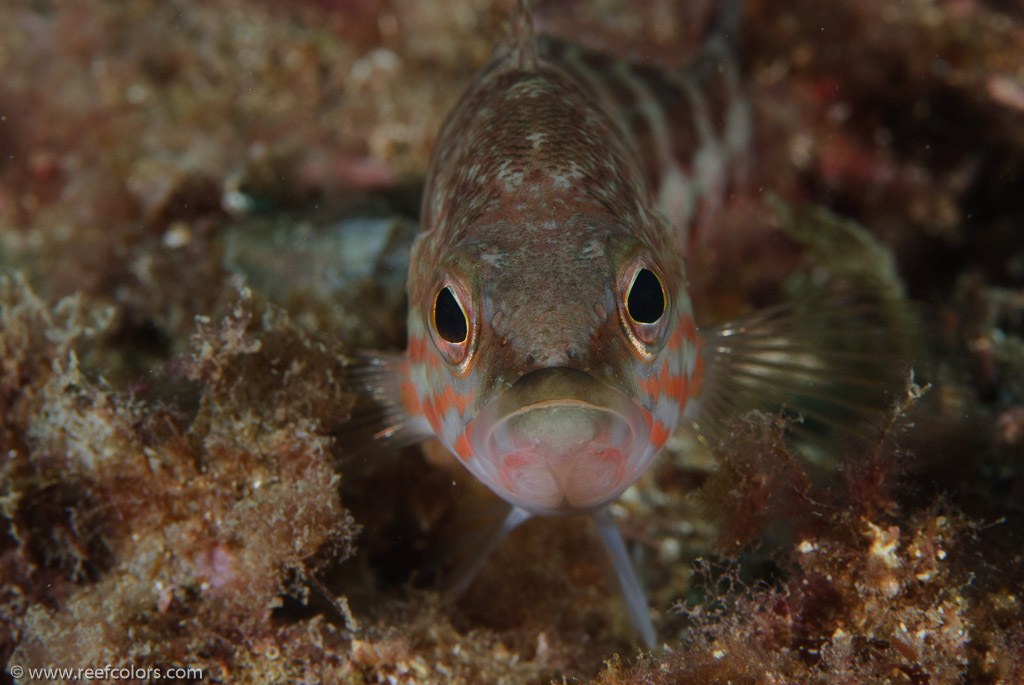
pixel 676 197
pixel 571 173
pixel 495 259
pixel 451 426
pixel 594 249
pixel 512 178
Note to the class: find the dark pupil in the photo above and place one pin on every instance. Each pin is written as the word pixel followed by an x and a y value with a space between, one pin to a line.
pixel 449 320
pixel 645 302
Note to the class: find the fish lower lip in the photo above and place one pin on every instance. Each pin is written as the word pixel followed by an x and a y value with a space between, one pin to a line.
pixel 559 440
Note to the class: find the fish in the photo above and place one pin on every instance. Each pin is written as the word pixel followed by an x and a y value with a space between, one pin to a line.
pixel 552 346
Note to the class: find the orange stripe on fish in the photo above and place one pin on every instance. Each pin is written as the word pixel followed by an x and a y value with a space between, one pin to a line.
pixel 463 400
pixel 418 353
pixel 675 341
pixel 444 400
pixel 417 349
pixel 650 386
pixel 672 385
pixel 410 400
pixel 687 329
pixel 647 417
pixel 430 412
pixel 463 450
pixel 659 435
pixel 449 398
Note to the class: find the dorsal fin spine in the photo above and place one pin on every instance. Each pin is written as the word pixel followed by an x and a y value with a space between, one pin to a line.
pixel 524 38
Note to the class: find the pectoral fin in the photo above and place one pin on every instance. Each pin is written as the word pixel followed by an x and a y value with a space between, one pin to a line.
pixel 834 364
pixel 385 416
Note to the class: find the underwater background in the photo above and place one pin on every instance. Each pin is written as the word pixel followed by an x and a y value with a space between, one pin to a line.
pixel 206 209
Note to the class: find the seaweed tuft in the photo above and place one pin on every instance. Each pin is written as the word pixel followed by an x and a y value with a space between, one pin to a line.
pixel 166 531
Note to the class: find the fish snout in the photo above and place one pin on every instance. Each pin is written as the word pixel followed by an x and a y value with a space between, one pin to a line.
pixel 560 441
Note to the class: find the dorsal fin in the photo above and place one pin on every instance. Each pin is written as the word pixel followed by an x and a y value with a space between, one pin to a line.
pixel 524 41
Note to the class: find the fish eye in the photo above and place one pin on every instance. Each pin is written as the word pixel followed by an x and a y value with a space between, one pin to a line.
pixel 645 302
pixel 450 320
pixel 644 306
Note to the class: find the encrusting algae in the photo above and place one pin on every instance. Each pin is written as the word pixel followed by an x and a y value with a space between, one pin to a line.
pixel 177 482
pixel 129 509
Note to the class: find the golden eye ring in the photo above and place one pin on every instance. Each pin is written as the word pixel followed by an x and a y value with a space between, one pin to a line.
pixel 449 318
pixel 453 325
pixel 645 298
pixel 644 307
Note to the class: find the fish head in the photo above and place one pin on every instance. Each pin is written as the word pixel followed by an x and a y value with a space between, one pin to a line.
pixel 554 356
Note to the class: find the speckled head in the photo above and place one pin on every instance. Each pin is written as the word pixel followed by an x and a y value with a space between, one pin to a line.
pixel 551 343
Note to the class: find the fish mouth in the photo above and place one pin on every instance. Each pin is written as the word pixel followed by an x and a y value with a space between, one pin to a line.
pixel 560 441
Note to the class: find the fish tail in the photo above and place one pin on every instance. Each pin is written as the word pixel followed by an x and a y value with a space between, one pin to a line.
pixel 833 365
pixel 384 414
